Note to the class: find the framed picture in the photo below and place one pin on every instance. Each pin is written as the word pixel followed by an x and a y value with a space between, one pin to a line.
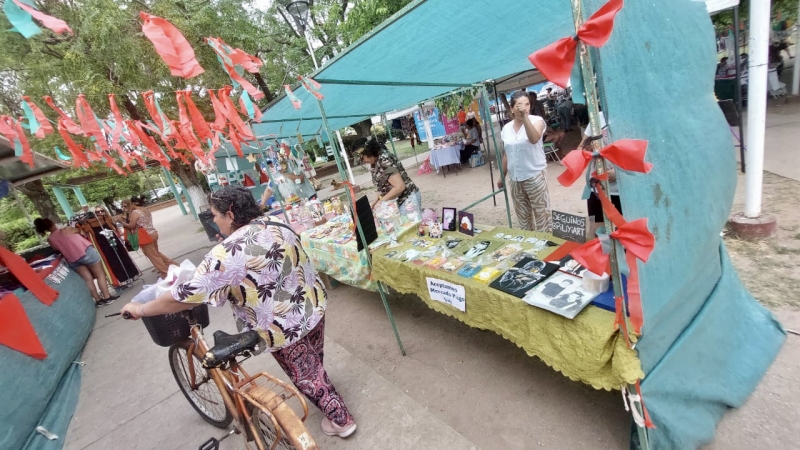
pixel 466 223
pixel 448 219
pixel 562 294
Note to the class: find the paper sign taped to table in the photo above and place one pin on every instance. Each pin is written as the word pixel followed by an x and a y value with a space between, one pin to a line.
pixel 449 293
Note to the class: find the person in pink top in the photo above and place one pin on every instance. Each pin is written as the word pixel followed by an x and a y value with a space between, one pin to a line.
pixel 81 257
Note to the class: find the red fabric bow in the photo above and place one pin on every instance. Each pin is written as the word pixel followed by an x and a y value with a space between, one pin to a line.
pixel 556 60
pixel 627 154
pixel 171 45
pixel 638 242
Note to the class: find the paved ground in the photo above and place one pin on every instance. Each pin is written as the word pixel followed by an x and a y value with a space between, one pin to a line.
pixel 458 388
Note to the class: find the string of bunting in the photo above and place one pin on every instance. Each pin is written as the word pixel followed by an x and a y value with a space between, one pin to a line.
pixel 632 239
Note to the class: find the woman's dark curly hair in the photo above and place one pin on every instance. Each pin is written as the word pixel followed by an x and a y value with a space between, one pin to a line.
pixel 373 148
pixel 42 225
pixel 238 200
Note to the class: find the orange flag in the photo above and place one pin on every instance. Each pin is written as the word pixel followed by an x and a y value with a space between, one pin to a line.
pixel 171 45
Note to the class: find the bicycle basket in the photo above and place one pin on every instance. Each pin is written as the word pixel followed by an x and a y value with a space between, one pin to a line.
pixel 168 329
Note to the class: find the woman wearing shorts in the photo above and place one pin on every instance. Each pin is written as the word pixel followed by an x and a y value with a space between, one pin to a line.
pixel 81 257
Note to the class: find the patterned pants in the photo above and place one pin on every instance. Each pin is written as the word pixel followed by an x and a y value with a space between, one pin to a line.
pixel 302 362
pixel 532 203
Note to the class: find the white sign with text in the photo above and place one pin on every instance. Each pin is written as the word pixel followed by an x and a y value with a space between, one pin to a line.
pixel 449 293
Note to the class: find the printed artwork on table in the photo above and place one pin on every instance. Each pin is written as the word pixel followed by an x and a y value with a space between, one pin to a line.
pixel 408 255
pixel 562 294
pixel 452 243
pixel 452 265
pixel 391 255
pixel 466 223
pixel 422 243
pixel 524 276
pixel 486 275
pixel 436 262
pixel 519 238
pixel 469 270
pixel 477 249
pixel 449 219
pixel 570 266
pixel 420 260
pixel 505 252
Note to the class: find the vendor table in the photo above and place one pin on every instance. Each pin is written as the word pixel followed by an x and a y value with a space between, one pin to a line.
pixel 339 260
pixel 445 156
pixel 586 349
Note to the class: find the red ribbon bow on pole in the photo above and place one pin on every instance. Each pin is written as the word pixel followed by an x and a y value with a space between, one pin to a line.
pixel 556 60
pixel 627 154
pixel 638 242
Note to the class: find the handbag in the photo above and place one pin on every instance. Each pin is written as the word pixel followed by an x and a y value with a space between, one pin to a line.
pixel 132 241
pixel 143 236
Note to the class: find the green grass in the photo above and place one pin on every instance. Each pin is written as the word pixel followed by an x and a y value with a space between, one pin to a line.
pixel 404 149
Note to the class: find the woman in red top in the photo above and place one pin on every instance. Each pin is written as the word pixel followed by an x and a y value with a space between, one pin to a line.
pixel 81 257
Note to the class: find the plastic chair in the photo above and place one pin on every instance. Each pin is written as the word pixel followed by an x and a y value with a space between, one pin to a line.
pixel 551 151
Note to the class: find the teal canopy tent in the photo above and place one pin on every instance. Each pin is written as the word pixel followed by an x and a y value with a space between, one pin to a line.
pixel 705 342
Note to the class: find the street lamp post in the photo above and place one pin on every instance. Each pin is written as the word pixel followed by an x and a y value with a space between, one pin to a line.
pixel 299 12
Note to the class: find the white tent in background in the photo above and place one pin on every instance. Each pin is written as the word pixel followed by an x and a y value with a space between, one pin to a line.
pixel 715 6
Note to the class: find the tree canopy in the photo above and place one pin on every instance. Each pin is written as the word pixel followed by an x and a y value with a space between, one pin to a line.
pixel 108 53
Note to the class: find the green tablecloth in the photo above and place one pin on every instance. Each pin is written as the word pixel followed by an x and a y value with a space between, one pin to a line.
pixel 586 349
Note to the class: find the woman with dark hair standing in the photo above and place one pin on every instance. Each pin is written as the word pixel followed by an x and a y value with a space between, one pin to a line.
pixel 524 162
pixel 388 174
pixel 261 269
pixel 471 142
pixel 81 257
pixel 139 220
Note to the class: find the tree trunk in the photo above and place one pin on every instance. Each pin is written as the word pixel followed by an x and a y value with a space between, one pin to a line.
pixel 41 200
pixel 262 84
pixel 363 128
pixel 188 176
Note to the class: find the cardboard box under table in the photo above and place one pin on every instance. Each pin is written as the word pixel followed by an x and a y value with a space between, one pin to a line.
pixel 586 348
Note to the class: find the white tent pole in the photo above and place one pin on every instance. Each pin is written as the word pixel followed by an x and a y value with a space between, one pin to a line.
pixel 796 68
pixel 756 106
pixel 344 157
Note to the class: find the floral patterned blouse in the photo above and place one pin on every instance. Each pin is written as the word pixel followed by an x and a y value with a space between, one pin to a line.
pixel 268 279
pixel 386 166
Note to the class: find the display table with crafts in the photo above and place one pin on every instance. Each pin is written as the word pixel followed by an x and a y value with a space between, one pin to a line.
pixel 485 281
pixel 333 250
pixel 446 155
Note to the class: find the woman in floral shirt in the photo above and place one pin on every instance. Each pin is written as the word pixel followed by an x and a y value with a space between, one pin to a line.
pixel 262 270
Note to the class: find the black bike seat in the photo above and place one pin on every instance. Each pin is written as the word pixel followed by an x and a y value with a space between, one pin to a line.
pixel 228 346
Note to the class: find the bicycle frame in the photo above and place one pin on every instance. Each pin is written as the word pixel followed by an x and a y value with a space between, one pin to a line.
pixel 231 381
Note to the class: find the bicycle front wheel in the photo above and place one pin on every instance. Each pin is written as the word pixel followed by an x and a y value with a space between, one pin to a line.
pixel 205 398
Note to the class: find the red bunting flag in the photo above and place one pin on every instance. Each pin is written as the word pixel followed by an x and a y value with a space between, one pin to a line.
pixel 44 124
pixel 65 120
pixel 556 60
pixel 292 97
pixel 89 122
pixel 232 59
pixel 171 45
pixel 57 25
pixel 16 330
pixel 312 87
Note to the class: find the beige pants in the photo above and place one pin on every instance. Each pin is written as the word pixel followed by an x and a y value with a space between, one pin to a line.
pixel 532 203
pixel 160 262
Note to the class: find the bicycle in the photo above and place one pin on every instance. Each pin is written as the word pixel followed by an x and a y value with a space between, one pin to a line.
pixel 220 390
